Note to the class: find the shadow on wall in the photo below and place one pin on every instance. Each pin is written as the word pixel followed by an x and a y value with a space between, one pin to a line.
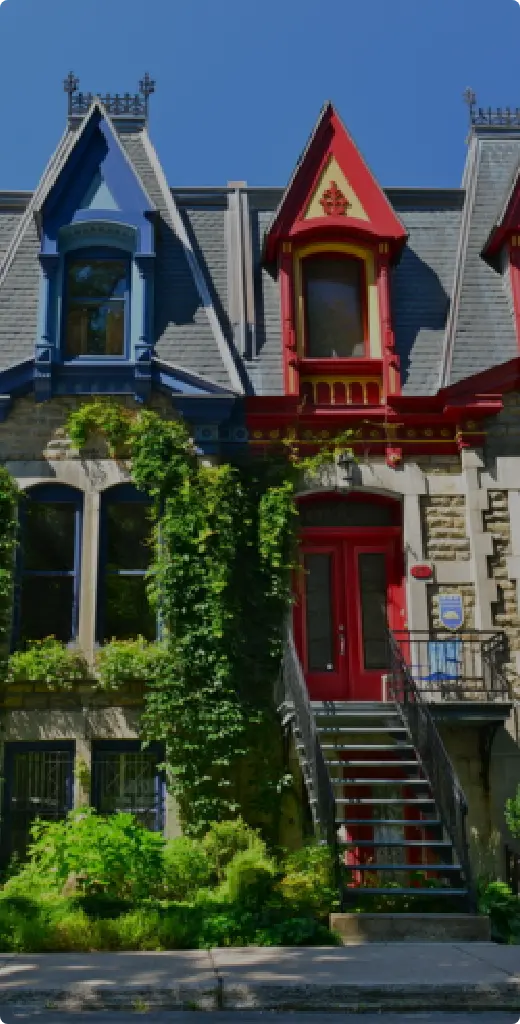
pixel 420 303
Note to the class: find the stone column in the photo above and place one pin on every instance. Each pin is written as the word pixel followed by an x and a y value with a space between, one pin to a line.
pixel 89 572
pixel 481 544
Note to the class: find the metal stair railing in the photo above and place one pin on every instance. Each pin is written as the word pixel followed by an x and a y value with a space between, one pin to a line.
pixel 446 788
pixel 297 707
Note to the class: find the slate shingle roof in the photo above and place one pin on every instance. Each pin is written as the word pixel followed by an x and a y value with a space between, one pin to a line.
pixel 452 311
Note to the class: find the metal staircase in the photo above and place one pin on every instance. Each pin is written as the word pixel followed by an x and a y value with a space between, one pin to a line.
pixel 382 789
pixel 388 825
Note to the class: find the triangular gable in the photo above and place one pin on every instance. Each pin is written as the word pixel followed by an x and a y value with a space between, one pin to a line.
pixel 98 196
pixel 332 187
pixel 97 177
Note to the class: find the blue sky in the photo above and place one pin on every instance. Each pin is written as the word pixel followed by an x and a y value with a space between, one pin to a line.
pixel 240 84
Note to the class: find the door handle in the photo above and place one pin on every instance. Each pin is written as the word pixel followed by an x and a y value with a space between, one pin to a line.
pixel 341 639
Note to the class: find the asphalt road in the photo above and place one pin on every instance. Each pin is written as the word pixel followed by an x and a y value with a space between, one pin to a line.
pixel 20 1016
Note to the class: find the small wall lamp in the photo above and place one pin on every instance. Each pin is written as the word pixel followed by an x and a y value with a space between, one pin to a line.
pixel 347 463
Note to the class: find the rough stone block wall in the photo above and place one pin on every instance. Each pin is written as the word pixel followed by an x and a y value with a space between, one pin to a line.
pixel 444 526
pixel 35 430
pixel 505 612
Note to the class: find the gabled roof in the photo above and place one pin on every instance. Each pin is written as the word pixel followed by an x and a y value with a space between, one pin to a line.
pixel 188 330
pixel 331 160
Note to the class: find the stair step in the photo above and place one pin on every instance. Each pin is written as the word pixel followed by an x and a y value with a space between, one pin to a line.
pixel 363 729
pixel 427 843
pixel 376 747
pixel 404 867
pixel 381 782
pixel 402 822
pixel 372 764
pixel 366 890
pixel 415 801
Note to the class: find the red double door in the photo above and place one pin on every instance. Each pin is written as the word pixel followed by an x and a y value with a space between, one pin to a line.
pixel 350 584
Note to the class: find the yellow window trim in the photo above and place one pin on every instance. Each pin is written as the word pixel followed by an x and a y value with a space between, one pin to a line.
pixel 374 326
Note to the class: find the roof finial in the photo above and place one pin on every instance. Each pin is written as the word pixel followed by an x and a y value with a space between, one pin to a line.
pixel 133 108
pixel 70 86
pixel 470 98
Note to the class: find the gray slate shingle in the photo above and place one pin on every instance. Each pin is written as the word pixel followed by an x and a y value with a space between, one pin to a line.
pixel 422 283
pixel 485 334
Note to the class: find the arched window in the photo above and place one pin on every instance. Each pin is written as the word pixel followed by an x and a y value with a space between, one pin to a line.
pixel 124 611
pixel 49 562
pixel 334 297
pixel 96 303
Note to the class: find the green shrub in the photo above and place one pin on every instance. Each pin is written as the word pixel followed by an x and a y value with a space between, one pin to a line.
pixel 503 907
pixel 227 838
pixel 48 661
pixel 186 868
pixel 129 661
pixel 309 881
pixel 512 814
pixel 250 879
pixel 115 856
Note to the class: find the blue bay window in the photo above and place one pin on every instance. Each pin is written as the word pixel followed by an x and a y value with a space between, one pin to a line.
pixel 124 609
pixel 96 304
pixel 49 562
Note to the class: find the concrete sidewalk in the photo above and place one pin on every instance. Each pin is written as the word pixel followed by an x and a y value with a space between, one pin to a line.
pixel 394 976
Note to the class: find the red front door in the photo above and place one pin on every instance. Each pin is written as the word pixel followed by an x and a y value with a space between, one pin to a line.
pixel 350 581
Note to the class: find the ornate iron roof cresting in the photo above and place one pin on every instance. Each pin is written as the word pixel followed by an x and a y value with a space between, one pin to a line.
pixel 118 105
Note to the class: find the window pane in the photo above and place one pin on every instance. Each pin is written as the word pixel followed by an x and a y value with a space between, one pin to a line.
pixel 48 536
pixel 318 613
pixel 333 303
pixel 96 279
pixel 96 329
pixel 346 513
pixel 127 610
pixel 127 782
pixel 46 607
pixel 129 532
pixel 372 585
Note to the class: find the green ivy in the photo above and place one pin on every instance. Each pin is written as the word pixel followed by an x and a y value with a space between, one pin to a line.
pixel 48 661
pixel 9 495
pixel 225 552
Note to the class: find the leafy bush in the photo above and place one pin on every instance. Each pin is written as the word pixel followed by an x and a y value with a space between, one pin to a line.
pixel 503 907
pixel 309 880
pixel 48 661
pixel 186 868
pixel 116 856
pixel 129 661
pixel 250 879
pixel 227 838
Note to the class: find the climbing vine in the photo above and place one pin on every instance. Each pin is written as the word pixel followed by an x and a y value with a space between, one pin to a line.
pixel 8 527
pixel 225 550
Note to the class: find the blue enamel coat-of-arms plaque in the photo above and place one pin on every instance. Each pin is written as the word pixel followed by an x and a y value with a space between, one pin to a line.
pixel 451 610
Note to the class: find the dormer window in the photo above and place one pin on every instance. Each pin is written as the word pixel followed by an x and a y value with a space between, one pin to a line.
pixel 97 291
pixel 334 300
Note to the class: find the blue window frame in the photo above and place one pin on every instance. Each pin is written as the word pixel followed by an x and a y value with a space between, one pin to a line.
pixel 124 610
pixel 126 779
pixel 49 562
pixel 96 304
pixel 39 783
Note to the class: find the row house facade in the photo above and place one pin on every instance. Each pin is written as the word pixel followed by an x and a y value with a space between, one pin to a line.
pixel 259 314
